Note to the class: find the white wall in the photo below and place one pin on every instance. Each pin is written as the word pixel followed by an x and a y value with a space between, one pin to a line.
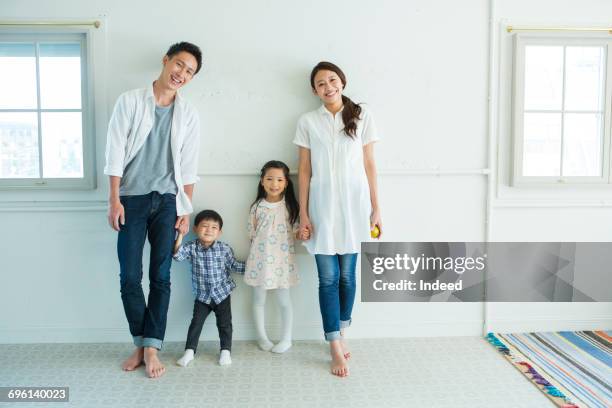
pixel 422 68
pixel 544 214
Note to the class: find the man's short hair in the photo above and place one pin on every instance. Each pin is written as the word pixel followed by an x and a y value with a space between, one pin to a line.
pixel 208 215
pixel 187 47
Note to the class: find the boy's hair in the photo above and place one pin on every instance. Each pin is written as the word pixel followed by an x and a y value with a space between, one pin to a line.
pixel 208 215
pixel 187 47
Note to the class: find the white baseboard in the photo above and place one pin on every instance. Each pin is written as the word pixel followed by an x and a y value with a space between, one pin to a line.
pixel 546 324
pixel 242 331
pixel 307 331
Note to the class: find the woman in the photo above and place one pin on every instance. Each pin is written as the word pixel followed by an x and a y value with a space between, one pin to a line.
pixel 338 198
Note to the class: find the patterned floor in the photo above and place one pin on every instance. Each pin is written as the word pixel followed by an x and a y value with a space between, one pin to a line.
pixel 415 372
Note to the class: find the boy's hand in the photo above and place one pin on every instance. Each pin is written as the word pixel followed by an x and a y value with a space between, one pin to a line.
pixel 116 214
pixel 182 224
pixel 177 243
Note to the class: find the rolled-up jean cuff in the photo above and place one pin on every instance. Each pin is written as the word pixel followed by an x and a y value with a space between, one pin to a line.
pixel 331 336
pixel 345 323
pixel 137 341
pixel 151 342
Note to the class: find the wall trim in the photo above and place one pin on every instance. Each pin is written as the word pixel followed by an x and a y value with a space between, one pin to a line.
pixel 311 331
pixel 549 324
pixel 560 203
pixel 242 331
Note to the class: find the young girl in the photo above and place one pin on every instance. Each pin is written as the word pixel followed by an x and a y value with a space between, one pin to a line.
pixel 271 264
pixel 338 198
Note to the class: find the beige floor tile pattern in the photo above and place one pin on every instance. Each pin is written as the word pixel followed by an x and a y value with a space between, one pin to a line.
pixel 411 372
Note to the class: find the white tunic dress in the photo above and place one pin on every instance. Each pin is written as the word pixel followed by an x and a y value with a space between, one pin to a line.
pixel 339 199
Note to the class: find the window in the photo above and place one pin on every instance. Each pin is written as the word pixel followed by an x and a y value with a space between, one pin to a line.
pixel 561 116
pixel 46 137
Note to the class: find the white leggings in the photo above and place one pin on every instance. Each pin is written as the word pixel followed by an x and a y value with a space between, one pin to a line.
pixel 284 303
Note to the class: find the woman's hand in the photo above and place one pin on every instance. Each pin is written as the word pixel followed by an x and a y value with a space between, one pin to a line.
pixel 376 221
pixel 306 229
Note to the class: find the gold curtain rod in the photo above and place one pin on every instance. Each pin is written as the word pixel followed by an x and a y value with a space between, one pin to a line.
pixel 96 23
pixel 596 29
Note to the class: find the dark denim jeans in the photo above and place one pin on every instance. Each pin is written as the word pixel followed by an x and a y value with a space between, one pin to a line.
pixel 337 288
pixel 152 215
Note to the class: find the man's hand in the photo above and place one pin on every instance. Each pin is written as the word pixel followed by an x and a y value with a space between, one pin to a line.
pixel 182 224
pixel 116 214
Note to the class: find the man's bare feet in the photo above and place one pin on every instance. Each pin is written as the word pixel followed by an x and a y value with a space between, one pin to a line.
pixel 154 367
pixel 134 361
pixel 339 365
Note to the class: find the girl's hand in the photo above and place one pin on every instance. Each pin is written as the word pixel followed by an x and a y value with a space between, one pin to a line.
pixel 303 234
pixel 376 221
pixel 306 229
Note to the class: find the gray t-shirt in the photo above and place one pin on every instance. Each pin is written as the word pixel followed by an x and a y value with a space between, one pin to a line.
pixel 152 168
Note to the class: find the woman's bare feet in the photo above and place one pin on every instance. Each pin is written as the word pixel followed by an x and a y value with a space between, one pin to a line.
pixel 339 365
pixel 134 361
pixel 154 367
pixel 345 350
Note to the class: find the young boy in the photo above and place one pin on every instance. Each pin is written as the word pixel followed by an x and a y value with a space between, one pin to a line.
pixel 211 263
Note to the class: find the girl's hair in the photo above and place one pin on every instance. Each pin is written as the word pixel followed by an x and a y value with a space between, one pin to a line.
pixel 352 110
pixel 293 208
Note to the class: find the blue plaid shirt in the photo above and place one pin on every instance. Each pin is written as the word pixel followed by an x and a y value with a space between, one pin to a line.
pixel 210 269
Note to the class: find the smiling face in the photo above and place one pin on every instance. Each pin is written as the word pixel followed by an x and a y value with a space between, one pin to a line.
pixel 178 70
pixel 274 183
pixel 328 86
pixel 208 231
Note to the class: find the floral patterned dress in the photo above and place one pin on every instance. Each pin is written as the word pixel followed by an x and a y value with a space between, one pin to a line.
pixel 271 261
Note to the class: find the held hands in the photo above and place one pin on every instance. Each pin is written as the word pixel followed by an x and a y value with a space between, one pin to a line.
pixel 303 234
pixel 177 242
pixel 116 214
pixel 306 230
pixel 182 224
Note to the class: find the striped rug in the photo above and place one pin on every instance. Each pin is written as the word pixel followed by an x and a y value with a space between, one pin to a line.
pixel 574 369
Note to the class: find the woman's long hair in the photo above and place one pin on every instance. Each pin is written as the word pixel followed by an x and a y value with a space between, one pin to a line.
pixel 352 111
pixel 293 208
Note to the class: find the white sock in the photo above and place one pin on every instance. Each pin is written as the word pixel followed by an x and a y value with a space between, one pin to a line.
pixel 281 346
pixel 259 302
pixel 225 358
pixel 284 302
pixel 186 359
pixel 265 344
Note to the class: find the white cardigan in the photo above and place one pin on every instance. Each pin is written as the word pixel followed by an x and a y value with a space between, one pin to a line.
pixel 131 123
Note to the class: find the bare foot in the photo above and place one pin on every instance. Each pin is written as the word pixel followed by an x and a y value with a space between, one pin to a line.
pixel 154 367
pixel 345 350
pixel 134 361
pixel 339 365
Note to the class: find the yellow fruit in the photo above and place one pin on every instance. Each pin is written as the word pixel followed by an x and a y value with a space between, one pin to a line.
pixel 375 232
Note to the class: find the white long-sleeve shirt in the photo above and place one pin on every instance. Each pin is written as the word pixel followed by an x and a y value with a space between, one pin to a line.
pixel 131 123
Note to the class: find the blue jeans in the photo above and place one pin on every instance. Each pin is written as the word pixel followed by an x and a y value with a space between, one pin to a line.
pixel 337 288
pixel 152 215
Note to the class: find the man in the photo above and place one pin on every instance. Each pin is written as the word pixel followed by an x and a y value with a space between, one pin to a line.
pixel 151 161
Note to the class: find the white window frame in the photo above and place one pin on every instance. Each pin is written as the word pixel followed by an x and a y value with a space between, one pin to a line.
pixel 55 35
pixel 520 42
